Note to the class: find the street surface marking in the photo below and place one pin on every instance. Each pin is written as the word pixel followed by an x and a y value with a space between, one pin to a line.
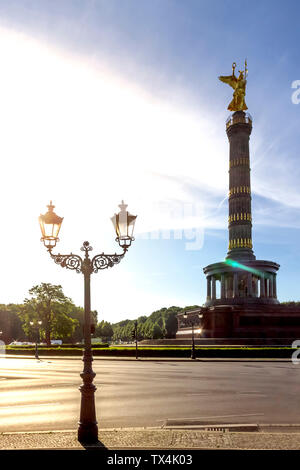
pixel 211 417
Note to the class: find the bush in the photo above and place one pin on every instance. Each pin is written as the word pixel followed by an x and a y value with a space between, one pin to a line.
pixel 211 352
pixel 57 346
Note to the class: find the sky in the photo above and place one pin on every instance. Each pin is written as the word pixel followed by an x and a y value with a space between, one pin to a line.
pixel 107 100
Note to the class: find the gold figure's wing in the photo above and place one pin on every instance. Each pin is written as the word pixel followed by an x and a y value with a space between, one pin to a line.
pixel 230 80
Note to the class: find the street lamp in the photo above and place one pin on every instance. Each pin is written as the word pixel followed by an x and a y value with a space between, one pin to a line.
pixel 134 335
pixel 50 224
pixel 124 226
pixel 37 325
pixel 193 322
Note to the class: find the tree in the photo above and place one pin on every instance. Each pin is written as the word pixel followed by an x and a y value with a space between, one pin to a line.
pixel 170 323
pixel 160 324
pixel 104 330
pixel 10 323
pixel 49 305
pixel 157 331
pixel 77 313
pixel 140 334
pixel 142 319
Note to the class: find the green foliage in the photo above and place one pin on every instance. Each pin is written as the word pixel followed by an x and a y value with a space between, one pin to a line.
pixel 56 346
pixel 160 324
pixel 49 305
pixel 291 303
pixel 104 330
pixel 157 331
pixel 10 323
pixel 77 313
pixel 183 352
pixel 142 319
pixel 62 319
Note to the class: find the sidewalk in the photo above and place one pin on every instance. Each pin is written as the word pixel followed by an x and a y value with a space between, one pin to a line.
pixel 143 439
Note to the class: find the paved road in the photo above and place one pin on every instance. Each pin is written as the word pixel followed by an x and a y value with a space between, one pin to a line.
pixel 44 395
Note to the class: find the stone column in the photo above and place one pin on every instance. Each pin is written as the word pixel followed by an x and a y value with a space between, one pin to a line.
pixel 208 279
pixel 213 287
pixel 223 286
pixel 256 287
pixel 266 288
pixel 235 285
pixel 274 287
pixel 271 292
pixel 238 130
pixel 262 286
pixel 229 286
pixel 249 284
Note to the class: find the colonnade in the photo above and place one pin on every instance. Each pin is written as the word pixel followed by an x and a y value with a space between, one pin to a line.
pixel 238 285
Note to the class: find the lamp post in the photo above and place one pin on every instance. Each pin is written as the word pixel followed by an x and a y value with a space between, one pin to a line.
pixel 136 339
pixel 192 322
pixel 50 224
pixel 37 325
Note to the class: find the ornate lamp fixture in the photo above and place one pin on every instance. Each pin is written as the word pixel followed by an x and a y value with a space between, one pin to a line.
pixel 124 225
pixel 50 224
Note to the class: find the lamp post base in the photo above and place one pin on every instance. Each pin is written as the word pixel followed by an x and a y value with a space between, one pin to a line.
pixel 87 426
pixel 88 433
pixel 88 429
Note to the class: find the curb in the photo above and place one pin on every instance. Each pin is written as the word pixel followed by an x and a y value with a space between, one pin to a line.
pixel 150 439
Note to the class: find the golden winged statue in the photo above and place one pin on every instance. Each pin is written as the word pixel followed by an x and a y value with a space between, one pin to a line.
pixel 239 86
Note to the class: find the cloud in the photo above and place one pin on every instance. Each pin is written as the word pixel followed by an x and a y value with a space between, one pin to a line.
pixel 75 132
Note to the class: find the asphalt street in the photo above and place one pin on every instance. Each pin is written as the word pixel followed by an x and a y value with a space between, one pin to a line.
pixel 44 395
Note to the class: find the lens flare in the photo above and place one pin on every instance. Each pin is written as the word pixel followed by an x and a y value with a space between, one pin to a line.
pixel 236 264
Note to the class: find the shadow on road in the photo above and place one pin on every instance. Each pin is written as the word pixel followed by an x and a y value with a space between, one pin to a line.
pixel 96 446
